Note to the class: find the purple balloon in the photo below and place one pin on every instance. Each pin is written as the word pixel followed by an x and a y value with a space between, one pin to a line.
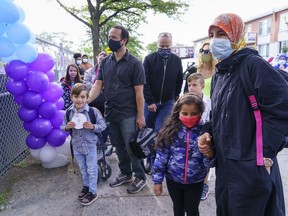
pixel 16 87
pixel 31 99
pixel 27 115
pixel 53 92
pixel 27 126
pixel 41 127
pixel 18 99
pixel 57 119
pixel 37 81
pixel 60 103
pixel 16 69
pixel 43 62
pixel 47 109
pixel 56 137
pixel 35 142
pixel 51 75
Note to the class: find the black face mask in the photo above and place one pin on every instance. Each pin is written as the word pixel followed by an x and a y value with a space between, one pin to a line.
pixel 114 45
pixel 164 53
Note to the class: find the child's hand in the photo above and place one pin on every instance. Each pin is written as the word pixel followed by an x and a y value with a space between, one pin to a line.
pixel 88 125
pixel 205 144
pixel 70 125
pixel 157 189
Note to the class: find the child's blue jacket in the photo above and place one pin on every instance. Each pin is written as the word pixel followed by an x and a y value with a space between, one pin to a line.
pixel 182 162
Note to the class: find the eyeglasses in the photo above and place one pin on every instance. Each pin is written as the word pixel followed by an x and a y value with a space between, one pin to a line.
pixel 165 34
pixel 204 51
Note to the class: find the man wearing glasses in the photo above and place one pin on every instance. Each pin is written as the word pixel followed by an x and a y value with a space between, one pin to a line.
pixel 164 78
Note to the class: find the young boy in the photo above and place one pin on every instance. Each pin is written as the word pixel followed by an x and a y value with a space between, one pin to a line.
pixel 84 139
pixel 196 84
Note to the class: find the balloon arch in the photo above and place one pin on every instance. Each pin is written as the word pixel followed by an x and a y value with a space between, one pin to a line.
pixel 31 83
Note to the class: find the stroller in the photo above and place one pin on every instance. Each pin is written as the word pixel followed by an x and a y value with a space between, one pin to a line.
pixel 104 148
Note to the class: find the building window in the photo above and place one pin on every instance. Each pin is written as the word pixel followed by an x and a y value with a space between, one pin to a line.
pixel 283 22
pixel 264 50
pixel 265 27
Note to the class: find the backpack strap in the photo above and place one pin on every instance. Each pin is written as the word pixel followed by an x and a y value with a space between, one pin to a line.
pixel 92 115
pixel 67 116
pixel 251 95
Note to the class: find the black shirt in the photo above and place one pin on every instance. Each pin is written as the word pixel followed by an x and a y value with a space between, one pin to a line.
pixel 119 79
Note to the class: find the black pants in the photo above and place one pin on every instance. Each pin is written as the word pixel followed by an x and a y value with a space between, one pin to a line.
pixel 185 197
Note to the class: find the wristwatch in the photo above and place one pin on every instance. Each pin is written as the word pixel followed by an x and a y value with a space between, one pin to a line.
pixel 268 162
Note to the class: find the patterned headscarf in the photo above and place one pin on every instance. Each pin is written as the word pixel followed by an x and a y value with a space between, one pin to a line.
pixel 233 26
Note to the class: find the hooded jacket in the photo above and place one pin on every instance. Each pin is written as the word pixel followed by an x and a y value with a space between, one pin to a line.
pixel 233 124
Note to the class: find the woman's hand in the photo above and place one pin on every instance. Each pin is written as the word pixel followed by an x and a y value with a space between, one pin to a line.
pixel 157 189
pixel 205 145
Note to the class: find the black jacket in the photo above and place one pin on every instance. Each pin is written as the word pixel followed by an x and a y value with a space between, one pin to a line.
pixel 233 123
pixel 163 83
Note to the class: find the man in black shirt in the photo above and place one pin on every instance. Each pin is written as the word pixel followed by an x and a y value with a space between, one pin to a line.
pixel 123 77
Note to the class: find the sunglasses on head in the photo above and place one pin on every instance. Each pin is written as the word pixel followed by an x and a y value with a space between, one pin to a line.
pixel 204 51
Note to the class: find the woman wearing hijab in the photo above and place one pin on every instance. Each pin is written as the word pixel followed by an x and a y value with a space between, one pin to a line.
pixel 244 185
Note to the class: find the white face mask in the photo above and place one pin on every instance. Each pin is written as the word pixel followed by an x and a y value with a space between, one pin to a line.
pixel 78 62
pixel 220 48
pixel 282 62
pixel 85 60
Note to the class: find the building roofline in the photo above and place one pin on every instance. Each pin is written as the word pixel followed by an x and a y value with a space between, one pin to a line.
pixel 267 13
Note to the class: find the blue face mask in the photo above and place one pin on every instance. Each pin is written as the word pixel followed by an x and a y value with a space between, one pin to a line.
pixel 164 53
pixel 220 48
pixel 114 45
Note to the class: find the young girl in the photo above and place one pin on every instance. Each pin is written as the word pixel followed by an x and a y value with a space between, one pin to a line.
pixel 72 76
pixel 178 156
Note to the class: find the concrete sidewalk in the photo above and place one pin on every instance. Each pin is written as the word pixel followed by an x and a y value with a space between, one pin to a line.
pixel 40 191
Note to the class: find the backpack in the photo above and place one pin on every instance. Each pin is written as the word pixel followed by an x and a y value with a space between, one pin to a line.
pixel 252 97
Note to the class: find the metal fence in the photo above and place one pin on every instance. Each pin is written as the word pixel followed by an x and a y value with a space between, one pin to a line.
pixel 12 134
pixel 13 147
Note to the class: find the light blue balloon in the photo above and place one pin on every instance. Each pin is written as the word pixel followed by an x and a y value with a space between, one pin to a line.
pixel 18 33
pixel 7 47
pixel 9 58
pixel 22 15
pixel 2 28
pixel 26 53
pixel 10 12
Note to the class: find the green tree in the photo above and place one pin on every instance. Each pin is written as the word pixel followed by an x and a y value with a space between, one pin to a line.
pixel 152 47
pixel 100 15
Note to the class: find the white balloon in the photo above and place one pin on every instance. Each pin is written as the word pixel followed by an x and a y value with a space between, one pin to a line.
pixel 35 152
pixel 65 147
pixel 47 153
pixel 60 160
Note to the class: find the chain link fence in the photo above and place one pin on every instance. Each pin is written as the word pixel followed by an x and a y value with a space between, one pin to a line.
pixel 13 146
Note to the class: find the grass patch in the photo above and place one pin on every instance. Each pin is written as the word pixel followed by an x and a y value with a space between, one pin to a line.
pixel 21 164
pixel 3 198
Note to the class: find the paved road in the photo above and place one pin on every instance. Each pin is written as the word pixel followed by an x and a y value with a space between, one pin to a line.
pixel 40 191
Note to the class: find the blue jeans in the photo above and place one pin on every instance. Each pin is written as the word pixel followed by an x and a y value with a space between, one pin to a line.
pixel 89 168
pixel 155 120
pixel 121 132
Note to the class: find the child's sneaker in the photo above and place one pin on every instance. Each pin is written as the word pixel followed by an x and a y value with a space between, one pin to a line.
pixel 205 192
pixel 83 192
pixel 136 186
pixel 121 179
pixel 89 198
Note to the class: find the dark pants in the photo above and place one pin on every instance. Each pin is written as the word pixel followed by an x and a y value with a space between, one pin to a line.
pixel 121 133
pixel 155 120
pixel 243 188
pixel 185 197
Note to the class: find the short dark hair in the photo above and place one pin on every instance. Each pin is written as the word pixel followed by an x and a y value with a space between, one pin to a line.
pixel 78 88
pixel 77 55
pixel 124 32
